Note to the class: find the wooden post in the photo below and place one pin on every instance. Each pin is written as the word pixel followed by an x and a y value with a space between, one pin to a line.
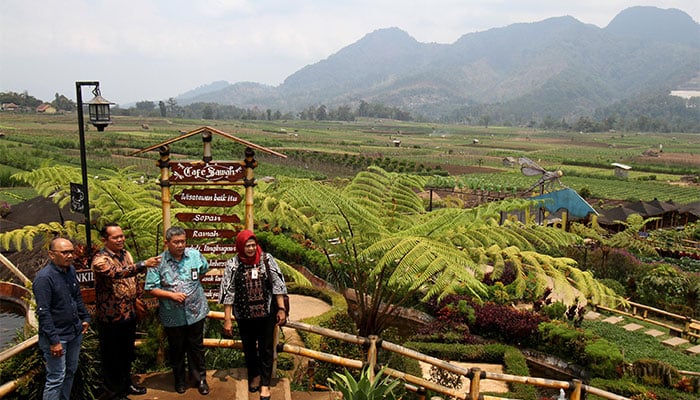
pixel 164 164
pixel 564 219
pixel 206 141
pixel 576 393
pixel 372 356
pixel 474 384
pixel 249 183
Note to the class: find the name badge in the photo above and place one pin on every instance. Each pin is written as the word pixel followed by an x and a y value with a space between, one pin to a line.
pixel 195 274
pixel 254 273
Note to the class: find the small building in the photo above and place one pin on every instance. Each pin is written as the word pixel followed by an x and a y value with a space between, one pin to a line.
pixel 46 108
pixel 396 142
pixel 621 170
pixel 10 107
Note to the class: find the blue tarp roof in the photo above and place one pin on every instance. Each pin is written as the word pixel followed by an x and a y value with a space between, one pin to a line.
pixel 567 199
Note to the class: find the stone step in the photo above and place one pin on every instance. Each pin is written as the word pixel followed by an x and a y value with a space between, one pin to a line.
pixel 695 350
pixel 654 332
pixel 591 315
pixel 674 341
pixel 613 319
pixel 632 327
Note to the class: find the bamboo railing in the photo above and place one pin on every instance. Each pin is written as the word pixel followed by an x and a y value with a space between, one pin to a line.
pixel 576 388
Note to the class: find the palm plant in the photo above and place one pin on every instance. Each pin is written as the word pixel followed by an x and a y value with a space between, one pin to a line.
pixel 381 243
pixel 366 388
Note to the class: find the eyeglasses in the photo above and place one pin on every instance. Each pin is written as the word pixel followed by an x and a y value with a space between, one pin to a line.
pixel 64 252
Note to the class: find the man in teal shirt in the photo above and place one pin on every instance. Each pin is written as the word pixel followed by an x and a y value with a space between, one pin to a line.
pixel 183 306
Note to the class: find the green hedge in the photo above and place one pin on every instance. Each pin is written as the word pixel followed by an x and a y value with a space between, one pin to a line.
pixel 292 252
pixel 601 357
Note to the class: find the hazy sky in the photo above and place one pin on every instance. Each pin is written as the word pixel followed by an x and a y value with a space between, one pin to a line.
pixel 156 49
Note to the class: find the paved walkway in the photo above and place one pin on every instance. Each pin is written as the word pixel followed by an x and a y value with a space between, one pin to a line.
pixel 233 383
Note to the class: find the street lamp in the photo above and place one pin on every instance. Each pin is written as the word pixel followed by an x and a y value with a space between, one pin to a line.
pixel 98 109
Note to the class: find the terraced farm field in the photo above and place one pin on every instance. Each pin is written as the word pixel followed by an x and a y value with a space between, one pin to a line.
pixel 326 149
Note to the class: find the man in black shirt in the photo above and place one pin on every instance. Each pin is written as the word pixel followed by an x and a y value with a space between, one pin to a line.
pixel 63 319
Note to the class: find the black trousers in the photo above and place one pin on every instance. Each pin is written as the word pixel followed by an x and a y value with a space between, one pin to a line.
pixel 117 351
pixel 256 335
pixel 187 340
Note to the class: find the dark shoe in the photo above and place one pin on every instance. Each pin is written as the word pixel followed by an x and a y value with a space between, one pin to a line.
pixel 253 389
pixel 136 389
pixel 264 397
pixel 203 387
pixel 180 388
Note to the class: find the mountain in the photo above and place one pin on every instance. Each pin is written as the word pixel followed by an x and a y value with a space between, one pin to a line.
pixel 203 90
pixel 559 67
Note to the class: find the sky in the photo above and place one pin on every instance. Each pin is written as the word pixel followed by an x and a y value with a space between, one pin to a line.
pixel 156 49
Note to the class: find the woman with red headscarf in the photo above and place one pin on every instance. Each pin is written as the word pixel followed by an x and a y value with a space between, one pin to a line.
pixel 247 294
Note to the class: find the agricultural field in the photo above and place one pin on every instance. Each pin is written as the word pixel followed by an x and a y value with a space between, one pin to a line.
pixel 319 150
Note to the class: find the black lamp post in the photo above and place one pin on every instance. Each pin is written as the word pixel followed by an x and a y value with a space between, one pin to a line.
pixel 98 109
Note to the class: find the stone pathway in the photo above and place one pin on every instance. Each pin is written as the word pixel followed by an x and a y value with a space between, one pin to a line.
pixel 664 337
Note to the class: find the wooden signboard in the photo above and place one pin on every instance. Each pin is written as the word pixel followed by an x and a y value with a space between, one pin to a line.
pixel 209 233
pixel 211 294
pixel 217 263
pixel 215 248
pixel 204 217
pixel 200 172
pixel 212 279
pixel 209 197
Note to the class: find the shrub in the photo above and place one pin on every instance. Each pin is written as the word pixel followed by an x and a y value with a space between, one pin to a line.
pixel 614 285
pixel 663 284
pixel 506 323
pixel 617 264
pixel 558 337
pixel 340 322
pixel 603 358
pixel 554 310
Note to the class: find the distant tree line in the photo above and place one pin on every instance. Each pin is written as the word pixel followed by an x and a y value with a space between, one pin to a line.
pixel 23 100
pixel 171 108
pixel 28 103
pixel 651 113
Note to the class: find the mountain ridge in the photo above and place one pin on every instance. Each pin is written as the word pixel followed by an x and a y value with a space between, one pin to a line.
pixel 558 66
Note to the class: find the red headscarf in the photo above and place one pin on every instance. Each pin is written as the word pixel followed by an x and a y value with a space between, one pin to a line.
pixel 244 236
